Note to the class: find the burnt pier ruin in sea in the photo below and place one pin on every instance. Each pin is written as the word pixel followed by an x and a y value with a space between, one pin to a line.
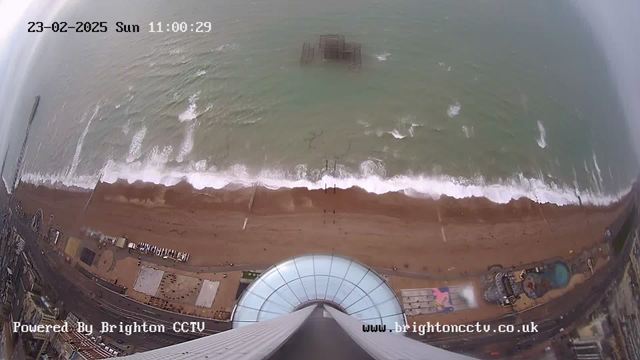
pixel 334 48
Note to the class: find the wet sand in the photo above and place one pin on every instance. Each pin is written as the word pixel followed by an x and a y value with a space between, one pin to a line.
pixel 390 230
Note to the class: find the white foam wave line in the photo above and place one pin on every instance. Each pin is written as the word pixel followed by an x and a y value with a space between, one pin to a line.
pixel 38 151
pixel 225 47
pixel 396 134
pixel 61 179
pixel 187 143
pixel 126 127
pixel 595 181
pixel 135 149
pixel 55 116
pixel 76 155
pixel 382 57
pixel 6 185
pixel 592 179
pixel 363 123
pixel 595 163
pixel 370 178
pixel 542 141
pixel 190 113
pixel 468 131
pixel 156 158
pixel 412 127
pixel 454 109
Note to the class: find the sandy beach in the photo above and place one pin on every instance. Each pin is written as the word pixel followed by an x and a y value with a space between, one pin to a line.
pixel 443 238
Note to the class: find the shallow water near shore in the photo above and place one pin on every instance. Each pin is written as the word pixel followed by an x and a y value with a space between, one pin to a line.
pixel 454 98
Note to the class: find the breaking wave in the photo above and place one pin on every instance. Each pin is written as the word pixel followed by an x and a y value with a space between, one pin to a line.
pixel 190 113
pixel 542 141
pixel 6 185
pixel 371 176
pixel 595 164
pixel 405 125
pixel 454 109
pixel 383 57
pixel 396 134
pixel 226 47
pixel 135 149
pixel 468 131
pixel 76 155
pixel 187 142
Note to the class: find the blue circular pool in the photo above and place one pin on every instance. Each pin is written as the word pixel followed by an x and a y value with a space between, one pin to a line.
pixel 562 274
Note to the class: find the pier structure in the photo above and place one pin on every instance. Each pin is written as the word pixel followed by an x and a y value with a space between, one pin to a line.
pixel 24 144
pixel 333 47
pixel 5 232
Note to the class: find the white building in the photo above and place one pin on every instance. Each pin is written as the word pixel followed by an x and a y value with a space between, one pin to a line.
pixel 311 307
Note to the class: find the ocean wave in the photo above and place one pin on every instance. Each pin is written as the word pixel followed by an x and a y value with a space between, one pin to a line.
pixel 190 113
pixel 413 126
pixel 135 149
pixel 363 123
pixel 250 122
pixel 595 164
pixel 575 178
pixel 373 168
pixel 370 177
pixel 76 156
pixel 468 131
pixel 226 47
pixel 405 125
pixel 201 72
pixel 187 143
pixel 396 134
pixel 542 141
pixel 61 179
pixel 126 127
pixel 383 57
pixel 454 109
pixel 6 185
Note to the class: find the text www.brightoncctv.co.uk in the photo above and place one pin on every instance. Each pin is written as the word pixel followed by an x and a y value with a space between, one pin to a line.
pixel 429 327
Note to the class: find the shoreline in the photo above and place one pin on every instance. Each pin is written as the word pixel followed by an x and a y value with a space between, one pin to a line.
pixel 501 191
pixel 445 237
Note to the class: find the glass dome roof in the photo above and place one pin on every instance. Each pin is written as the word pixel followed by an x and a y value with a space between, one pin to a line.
pixel 346 284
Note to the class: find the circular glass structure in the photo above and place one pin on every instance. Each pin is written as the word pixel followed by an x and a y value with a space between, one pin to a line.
pixel 341 282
